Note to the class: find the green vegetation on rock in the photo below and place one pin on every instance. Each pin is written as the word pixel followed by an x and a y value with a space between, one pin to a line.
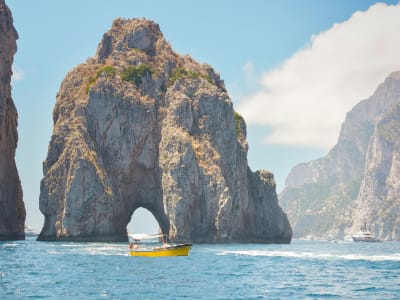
pixel 92 81
pixel 135 73
pixel 107 71
pixel 238 120
pixel 181 72
pixel 130 73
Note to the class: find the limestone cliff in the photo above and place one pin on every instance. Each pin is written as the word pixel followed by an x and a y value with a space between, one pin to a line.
pixel 140 126
pixel 357 181
pixel 12 209
pixel 378 202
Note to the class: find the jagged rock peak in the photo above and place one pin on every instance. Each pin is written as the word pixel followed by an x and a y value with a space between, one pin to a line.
pixel 135 41
pixel 395 75
pixel 125 35
pixel 140 126
pixel 8 38
pixel 12 210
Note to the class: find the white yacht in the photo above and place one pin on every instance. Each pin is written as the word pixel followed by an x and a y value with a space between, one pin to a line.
pixel 364 235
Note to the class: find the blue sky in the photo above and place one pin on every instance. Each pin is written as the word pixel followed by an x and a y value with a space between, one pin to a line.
pixel 254 45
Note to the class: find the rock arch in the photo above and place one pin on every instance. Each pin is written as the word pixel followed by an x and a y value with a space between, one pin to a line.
pixel 144 221
pixel 166 139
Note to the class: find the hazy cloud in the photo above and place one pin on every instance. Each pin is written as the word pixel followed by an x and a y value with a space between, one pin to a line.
pixel 18 74
pixel 305 99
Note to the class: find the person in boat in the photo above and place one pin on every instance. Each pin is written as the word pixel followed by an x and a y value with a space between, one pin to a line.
pixel 165 244
pixel 133 246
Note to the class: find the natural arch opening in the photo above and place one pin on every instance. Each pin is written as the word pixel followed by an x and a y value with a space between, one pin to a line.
pixel 143 221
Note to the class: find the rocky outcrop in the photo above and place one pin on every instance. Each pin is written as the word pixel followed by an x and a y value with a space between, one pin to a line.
pixel 12 209
pixel 356 182
pixel 140 126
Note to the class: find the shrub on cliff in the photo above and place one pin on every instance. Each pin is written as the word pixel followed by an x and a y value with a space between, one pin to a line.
pixel 181 72
pixel 107 71
pixel 135 73
pixel 238 120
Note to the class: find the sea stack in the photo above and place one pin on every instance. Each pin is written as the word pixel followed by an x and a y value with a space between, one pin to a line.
pixel 12 209
pixel 140 126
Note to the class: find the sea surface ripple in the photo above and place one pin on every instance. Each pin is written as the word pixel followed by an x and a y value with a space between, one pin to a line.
pixel 300 270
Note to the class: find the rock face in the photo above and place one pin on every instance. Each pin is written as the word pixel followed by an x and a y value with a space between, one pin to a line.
pixel 140 126
pixel 12 209
pixel 378 202
pixel 358 181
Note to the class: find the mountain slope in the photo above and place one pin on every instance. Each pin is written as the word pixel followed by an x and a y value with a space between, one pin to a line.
pixel 321 197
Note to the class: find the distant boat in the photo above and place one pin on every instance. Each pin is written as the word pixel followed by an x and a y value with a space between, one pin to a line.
pixel 30 231
pixel 138 249
pixel 364 235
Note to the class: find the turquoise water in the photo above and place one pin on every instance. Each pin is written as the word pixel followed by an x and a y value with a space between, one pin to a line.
pixel 301 270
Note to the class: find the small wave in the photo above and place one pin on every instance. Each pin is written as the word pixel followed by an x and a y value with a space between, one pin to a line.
pixel 319 296
pixel 367 289
pixel 103 294
pixel 10 245
pixel 106 250
pixel 74 245
pixel 393 257
pixel 309 255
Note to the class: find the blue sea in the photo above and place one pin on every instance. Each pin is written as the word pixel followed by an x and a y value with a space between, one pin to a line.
pixel 300 270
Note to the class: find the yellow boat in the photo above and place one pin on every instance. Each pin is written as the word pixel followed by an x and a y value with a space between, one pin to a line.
pixel 169 250
pixel 136 249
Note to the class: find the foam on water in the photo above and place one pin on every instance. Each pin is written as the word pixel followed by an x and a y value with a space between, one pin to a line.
pixel 89 249
pixel 314 255
pixel 10 245
pixel 107 249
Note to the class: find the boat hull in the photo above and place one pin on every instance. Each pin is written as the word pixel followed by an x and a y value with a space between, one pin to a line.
pixel 365 239
pixel 176 250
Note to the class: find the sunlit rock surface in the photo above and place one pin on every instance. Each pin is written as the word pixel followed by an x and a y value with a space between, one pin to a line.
pixel 141 126
pixel 358 181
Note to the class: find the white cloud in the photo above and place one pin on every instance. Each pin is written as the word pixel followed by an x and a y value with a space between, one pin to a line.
pixel 304 100
pixel 18 74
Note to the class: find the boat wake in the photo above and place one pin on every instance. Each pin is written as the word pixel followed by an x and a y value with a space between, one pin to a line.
pixel 314 255
pixel 90 249
pixel 114 250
